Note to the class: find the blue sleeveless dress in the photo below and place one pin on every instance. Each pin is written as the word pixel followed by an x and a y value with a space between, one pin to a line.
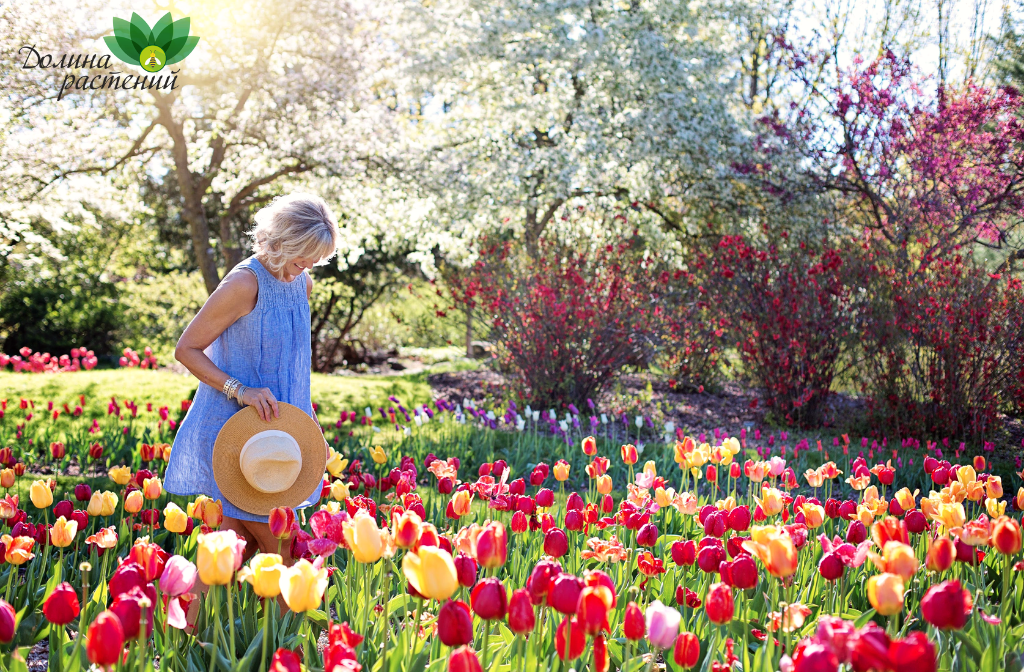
pixel 269 347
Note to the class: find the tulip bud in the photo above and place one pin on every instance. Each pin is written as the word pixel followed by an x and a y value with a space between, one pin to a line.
pixel 686 651
pixel 8 622
pixel 463 659
pixel 555 543
pixel 577 639
pixel 662 625
pixel 83 492
pixel 941 554
pixel 455 623
pixel 521 619
pixel 519 523
pixel 647 535
pixel 105 640
pixel 831 567
pixel 1006 535
pixel 134 501
pixel 465 569
pixel 61 607
pixel 633 626
pixel 684 552
pixel 564 593
pixel 545 498
pixel 489 599
pixel 281 521
pixel 885 592
pixel 719 604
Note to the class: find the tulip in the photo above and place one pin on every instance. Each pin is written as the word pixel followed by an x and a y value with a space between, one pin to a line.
pixel 831 567
pixel 813 656
pixel 592 609
pixel 105 538
pixel 564 592
pixel 152 489
pixel 302 585
pixel 885 592
pixel 561 470
pixel 131 607
pixel 211 512
pixel 460 504
pixel 8 622
pixel 869 648
pixel 61 607
pixel 719 604
pixel 555 543
pixel 740 573
pixel 662 625
pixel 774 548
pixel 492 545
pixel 7 477
pixel 178 577
pixel 466 569
pixel 946 605
pixel 264 574
pixel 489 599
pixel 120 475
pixel 41 495
pixel 589 446
pixel 407 529
pixel 175 520
pixel 684 553
pixel 521 619
pixel 463 659
pixel 941 553
pixel 105 640
pixel 686 650
pixel 577 641
pixel 431 571
pixel 63 508
pixel 913 653
pixel 285 661
pixel 62 534
pixel 134 502
pixel 629 455
pixel 1006 535
pixel 898 558
pixel 17 550
pixel 362 536
pixel 455 623
pixel 219 556
pixel 281 521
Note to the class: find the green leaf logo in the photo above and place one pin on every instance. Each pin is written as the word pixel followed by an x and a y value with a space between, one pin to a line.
pixel 166 43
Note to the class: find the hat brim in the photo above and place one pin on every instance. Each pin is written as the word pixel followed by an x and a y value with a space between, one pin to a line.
pixel 239 428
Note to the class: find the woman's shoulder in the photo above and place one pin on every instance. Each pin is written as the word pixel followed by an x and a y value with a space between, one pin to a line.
pixel 239 288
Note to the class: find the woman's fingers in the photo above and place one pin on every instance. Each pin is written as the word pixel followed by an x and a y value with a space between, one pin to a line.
pixel 273 404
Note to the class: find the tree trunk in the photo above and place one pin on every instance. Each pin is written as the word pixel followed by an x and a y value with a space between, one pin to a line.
pixel 232 252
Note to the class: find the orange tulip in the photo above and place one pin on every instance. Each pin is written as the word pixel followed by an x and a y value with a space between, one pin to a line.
pixel 461 502
pixel 994 487
pixel 977 532
pixel 151 488
pixel 604 484
pixel 629 455
pixel 407 529
pixel 774 548
pixel 885 592
pixel 1006 535
pixel 561 470
pixel 896 558
pixel 19 549
pixel 589 446
pixel 941 553
pixel 771 501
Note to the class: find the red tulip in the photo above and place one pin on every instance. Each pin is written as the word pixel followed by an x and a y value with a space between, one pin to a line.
pixel 719 604
pixel 814 656
pixel 489 599
pixel 555 543
pixel 574 520
pixel 520 523
pixel 856 532
pixel 595 577
pixel 83 492
pixel 105 640
pixel 647 535
pixel 282 520
pixel 831 567
pixel 128 609
pixel 455 623
pixel 740 573
pixel 8 621
pixel 869 648
pixel 686 650
pixel 684 552
pixel 913 653
pixel 541 578
pixel 61 607
pixel 710 558
pixel 285 661
pixel 916 522
pixel 564 593
pixel 601 662
pixel 545 498
pixel 466 568
pixel 946 605
pixel 521 618
pixel 63 508
pixel 464 659
pixel 607 504
pixel 739 519
pixel 633 625
pixel 577 640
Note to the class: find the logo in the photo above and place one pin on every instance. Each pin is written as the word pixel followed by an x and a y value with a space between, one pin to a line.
pixel 166 43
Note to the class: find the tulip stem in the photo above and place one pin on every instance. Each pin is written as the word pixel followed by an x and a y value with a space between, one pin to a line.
pixel 10 578
pixel 213 651
pixel 231 622
pixel 266 633
pixel 487 635
pixel 385 626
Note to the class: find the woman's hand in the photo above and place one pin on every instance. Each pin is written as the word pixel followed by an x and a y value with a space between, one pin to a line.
pixel 263 400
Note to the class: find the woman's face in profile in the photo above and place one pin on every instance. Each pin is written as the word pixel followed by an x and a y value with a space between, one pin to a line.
pixel 296 266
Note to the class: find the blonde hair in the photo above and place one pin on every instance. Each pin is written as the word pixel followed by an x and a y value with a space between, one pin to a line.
pixel 293 227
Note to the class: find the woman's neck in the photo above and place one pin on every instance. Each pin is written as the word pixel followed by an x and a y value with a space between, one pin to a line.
pixel 280 275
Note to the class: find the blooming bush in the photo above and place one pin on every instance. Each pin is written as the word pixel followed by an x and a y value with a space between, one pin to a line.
pixel 789 308
pixel 567 321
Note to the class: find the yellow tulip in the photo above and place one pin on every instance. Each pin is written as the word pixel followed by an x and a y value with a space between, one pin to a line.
pixel 63 532
pixel 814 515
pixel 175 520
pixel 7 478
pixel 303 586
pixel 906 499
pixel 219 555
pixel 732 444
pixel 109 503
pixel 561 470
pixel 650 468
pixel 774 548
pixel 41 495
pixel 120 475
pixel 663 497
pixel 951 516
pixel 264 574
pixel 431 572
pixel 134 501
pixel 195 507
pixel 966 474
pixel 771 501
pixel 461 502
pixel 727 504
pixel 339 491
pixel 377 453
pixel 994 507
pixel 95 506
pixel 363 537
pixel 885 592
pixel 336 464
pixel 604 484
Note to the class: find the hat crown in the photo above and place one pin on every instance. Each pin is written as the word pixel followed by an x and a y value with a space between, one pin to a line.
pixel 270 461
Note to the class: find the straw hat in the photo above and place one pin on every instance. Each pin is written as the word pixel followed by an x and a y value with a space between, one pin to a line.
pixel 259 465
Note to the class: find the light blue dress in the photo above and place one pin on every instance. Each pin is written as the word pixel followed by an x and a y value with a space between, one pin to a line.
pixel 269 347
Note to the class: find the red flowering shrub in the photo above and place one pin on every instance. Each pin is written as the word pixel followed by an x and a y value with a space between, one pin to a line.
pixel 696 337
pixel 789 310
pixel 566 321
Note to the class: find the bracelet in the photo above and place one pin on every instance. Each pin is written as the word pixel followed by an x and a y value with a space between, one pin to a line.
pixel 231 386
pixel 239 392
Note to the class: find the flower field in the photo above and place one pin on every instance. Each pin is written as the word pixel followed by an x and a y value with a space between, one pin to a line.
pixel 454 536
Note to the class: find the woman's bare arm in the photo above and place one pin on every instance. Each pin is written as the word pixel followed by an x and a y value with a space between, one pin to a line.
pixel 233 298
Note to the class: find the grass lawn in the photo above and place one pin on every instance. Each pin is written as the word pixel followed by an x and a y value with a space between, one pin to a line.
pixel 331 393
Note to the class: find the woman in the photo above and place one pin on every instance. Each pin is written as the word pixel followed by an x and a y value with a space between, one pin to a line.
pixel 251 339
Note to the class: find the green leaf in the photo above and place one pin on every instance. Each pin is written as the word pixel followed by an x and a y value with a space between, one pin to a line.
pixel 184 50
pixel 163 31
pixel 115 48
pixel 969 642
pixel 862 620
pixel 140 32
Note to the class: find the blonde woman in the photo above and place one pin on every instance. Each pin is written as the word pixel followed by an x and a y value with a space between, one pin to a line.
pixel 249 345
